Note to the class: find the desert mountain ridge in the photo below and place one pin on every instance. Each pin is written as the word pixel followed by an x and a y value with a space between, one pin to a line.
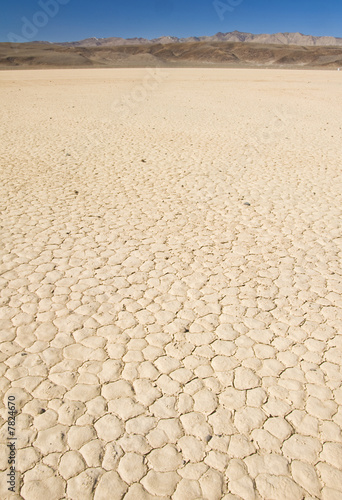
pixel 186 54
pixel 234 36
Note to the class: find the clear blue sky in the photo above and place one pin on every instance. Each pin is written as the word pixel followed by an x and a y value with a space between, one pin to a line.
pixel 77 19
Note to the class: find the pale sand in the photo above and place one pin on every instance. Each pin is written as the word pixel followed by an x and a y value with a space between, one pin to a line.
pixel 163 338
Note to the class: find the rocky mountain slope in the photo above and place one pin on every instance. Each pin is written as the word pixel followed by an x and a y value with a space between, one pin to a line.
pixel 186 54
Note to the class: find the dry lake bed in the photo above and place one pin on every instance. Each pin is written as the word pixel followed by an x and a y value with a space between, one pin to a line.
pixel 171 308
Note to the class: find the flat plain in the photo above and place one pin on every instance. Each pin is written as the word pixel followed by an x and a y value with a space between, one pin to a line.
pixel 171 308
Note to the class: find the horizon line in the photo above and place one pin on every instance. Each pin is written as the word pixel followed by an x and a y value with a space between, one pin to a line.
pixel 181 37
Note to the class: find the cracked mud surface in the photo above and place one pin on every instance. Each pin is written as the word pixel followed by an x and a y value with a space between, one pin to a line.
pixel 171 308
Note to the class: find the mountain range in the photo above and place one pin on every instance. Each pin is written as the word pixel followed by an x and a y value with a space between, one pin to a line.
pixel 235 49
pixel 186 54
pixel 234 36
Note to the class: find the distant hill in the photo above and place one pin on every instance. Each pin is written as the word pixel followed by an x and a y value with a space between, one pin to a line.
pixel 234 36
pixel 171 54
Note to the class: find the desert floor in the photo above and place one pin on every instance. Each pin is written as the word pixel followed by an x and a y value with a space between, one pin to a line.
pixel 171 283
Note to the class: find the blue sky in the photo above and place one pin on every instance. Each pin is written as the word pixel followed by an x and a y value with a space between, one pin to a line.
pixel 22 20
